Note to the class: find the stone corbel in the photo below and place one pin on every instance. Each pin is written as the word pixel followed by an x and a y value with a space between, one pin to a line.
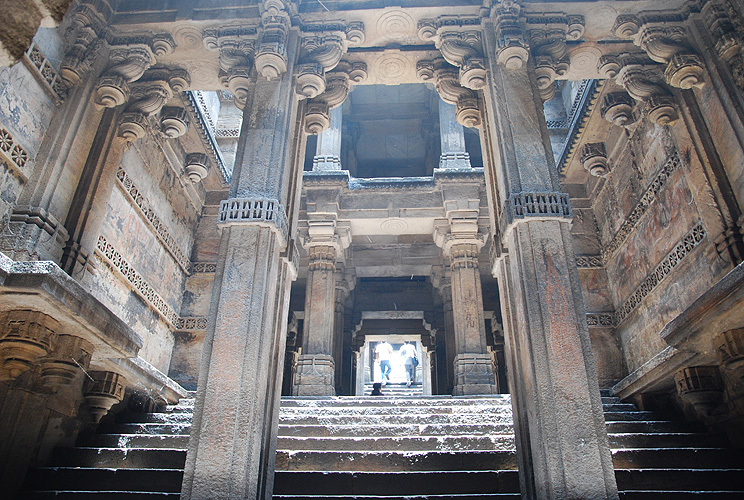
pixel 337 87
pixel 102 391
pixel 593 157
pixel 513 50
pixel 318 54
pixel 666 44
pixel 25 338
pixel 617 108
pixel 87 29
pixel 237 49
pixel 548 36
pixel 71 356
pixel 271 52
pixel 128 64
pixel 446 81
pixel 147 98
pixel 637 76
pixel 460 45
pixel 174 121
pixel 728 42
pixel 196 167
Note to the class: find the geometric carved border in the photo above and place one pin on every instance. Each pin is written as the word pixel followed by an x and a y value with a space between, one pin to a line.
pixel 142 287
pixel 589 261
pixel 601 319
pixel 42 69
pixel 17 156
pixel 190 323
pixel 203 267
pixel 672 164
pixel 662 270
pixel 161 232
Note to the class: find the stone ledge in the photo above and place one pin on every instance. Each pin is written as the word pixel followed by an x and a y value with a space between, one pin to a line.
pixel 45 287
pixel 141 374
pixel 654 375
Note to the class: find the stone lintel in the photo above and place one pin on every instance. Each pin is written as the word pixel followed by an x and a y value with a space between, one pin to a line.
pixel 142 374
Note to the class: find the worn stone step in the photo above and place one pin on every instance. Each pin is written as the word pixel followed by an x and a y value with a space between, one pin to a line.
pixel 666 440
pixel 621 416
pixel 407 443
pixel 394 430
pixel 98 479
pixel 650 426
pixel 366 411
pixel 124 458
pixel 174 441
pixel 149 428
pixel 160 418
pixel 680 479
pixel 678 458
pixel 416 419
pixel 610 399
pixel 682 495
pixel 100 495
pixel 357 401
pixel 395 483
pixel 615 407
pixel 385 461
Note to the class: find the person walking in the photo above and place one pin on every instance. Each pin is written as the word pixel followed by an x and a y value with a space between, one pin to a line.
pixel 384 352
pixel 410 361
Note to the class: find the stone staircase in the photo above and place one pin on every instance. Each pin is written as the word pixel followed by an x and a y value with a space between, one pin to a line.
pixel 397 390
pixel 392 447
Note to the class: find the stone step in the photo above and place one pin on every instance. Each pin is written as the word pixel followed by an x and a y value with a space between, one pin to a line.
pixel 406 443
pixel 385 461
pixel 396 483
pixel 621 416
pixel 415 419
pixel 428 401
pixel 182 429
pixel 95 479
pixel 120 458
pixel 678 458
pixel 666 440
pixel 619 407
pixel 681 495
pixel 610 399
pixel 394 430
pixel 99 495
pixel 680 479
pixel 498 496
pixel 649 426
pixel 174 441
pixel 366 411
pixel 160 418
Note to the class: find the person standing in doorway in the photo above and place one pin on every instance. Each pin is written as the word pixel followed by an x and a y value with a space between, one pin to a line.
pixel 384 352
pixel 410 361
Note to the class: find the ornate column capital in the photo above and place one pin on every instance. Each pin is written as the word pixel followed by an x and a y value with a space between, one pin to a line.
pixel 271 50
pixel 26 336
pixel 513 49
pixel 446 80
pixel 728 43
pixel 460 237
pixel 323 236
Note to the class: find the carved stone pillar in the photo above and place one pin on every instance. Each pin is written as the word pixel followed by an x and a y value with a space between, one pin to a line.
pixel 315 371
pixel 345 281
pixel 557 410
pixel 233 441
pixel 442 280
pixel 328 152
pixel 452 136
pixel 460 240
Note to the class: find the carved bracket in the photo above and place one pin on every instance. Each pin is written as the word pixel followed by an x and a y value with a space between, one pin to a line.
pixel 460 45
pixel 337 87
pixel 446 80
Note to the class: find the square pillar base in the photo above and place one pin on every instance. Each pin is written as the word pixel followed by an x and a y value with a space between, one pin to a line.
pixel 314 375
pixel 474 375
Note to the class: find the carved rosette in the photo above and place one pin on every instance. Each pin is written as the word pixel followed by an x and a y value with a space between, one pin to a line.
pixel 102 391
pixel 446 81
pixel 26 336
pixel 700 386
pixel 730 348
pixel 667 44
pixel 197 167
pixel 593 158
pixel 70 357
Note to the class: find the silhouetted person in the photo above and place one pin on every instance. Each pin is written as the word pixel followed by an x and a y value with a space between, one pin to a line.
pixel 376 389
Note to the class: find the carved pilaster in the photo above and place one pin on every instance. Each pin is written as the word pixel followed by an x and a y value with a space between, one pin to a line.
pixel 666 43
pixel 25 337
pixel 446 80
pixel 102 391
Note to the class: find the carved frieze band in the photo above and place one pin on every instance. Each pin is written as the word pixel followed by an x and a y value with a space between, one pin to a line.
pixel 607 319
pixel 203 267
pixel 159 228
pixel 16 154
pixel 589 261
pixel 45 72
pixel 523 205
pixel 191 323
pixel 662 270
pixel 254 210
pixel 107 251
pixel 672 164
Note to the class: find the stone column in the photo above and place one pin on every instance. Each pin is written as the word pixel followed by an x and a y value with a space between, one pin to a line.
pixel 344 285
pixel 460 240
pixel 231 450
pixel 315 371
pixel 360 357
pixel 443 281
pixel 561 437
pixel 328 152
pixel 452 135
